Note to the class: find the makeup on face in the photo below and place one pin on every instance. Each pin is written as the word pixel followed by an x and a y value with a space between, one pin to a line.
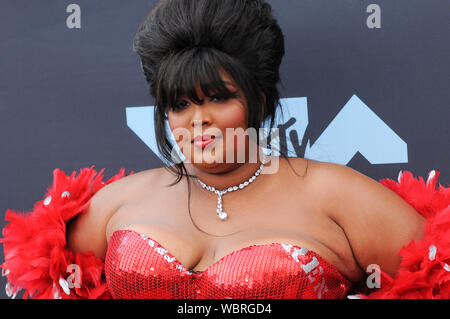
pixel 216 112
pixel 204 141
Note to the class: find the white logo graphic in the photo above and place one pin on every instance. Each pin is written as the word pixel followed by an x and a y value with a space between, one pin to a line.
pixel 356 129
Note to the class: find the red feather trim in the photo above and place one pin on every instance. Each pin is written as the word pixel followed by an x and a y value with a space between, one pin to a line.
pixel 425 268
pixel 34 243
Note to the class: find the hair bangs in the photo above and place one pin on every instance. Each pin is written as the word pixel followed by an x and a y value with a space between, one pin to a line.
pixel 191 73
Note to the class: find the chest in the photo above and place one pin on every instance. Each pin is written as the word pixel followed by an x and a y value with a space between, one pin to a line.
pixel 137 266
pixel 272 206
pixel 190 229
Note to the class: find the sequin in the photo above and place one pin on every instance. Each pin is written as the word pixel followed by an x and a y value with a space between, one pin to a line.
pixel 65 194
pixel 64 285
pixel 432 252
pixel 56 294
pixel 47 200
pixel 400 174
pixel 354 297
pixel 11 291
pixel 431 175
pixel 8 289
pixel 5 272
pixel 259 271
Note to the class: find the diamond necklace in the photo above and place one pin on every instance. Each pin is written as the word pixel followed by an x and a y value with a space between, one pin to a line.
pixel 221 214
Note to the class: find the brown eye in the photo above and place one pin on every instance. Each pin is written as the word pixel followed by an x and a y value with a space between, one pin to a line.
pixel 179 106
pixel 217 98
pixel 223 98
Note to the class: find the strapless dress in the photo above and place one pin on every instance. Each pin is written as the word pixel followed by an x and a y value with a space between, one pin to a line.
pixel 137 266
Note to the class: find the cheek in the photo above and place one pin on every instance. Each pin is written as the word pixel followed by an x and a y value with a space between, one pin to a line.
pixel 175 122
pixel 179 127
pixel 233 117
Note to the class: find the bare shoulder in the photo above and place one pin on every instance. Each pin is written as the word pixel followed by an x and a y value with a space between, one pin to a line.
pixel 343 186
pixel 115 194
pixel 376 221
pixel 87 232
pixel 316 175
pixel 125 189
pixel 297 166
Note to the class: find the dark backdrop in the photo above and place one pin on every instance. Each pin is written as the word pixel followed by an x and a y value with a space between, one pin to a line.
pixel 64 92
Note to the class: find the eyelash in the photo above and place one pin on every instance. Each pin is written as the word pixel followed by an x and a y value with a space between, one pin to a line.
pixel 219 99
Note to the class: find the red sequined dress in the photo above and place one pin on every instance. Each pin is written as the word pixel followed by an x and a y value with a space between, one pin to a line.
pixel 38 261
pixel 139 267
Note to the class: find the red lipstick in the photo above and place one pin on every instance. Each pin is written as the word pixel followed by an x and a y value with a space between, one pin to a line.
pixel 203 140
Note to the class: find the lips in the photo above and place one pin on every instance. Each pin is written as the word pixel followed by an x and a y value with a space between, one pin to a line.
pixel 202 141
pixel 203 138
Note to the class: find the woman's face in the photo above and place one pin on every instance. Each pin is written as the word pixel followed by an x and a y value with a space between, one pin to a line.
pixel 189 121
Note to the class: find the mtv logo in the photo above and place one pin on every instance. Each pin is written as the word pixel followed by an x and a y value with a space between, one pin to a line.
pixel 356 128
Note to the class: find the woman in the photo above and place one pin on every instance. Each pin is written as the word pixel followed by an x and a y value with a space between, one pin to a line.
pixel 255 226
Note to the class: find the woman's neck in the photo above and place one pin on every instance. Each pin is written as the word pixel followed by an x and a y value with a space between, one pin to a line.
pixel 224 175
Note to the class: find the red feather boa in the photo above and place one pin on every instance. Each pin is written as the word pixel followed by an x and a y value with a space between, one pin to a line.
pixel 36 257
pixel 425 268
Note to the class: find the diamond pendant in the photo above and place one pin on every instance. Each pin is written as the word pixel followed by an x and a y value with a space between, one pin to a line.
pixel 222 215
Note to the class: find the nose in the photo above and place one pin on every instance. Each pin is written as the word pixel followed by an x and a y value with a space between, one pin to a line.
pixel 201 117
pixel 199 123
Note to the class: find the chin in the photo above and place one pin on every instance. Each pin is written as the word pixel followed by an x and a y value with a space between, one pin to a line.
pixel 214 167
